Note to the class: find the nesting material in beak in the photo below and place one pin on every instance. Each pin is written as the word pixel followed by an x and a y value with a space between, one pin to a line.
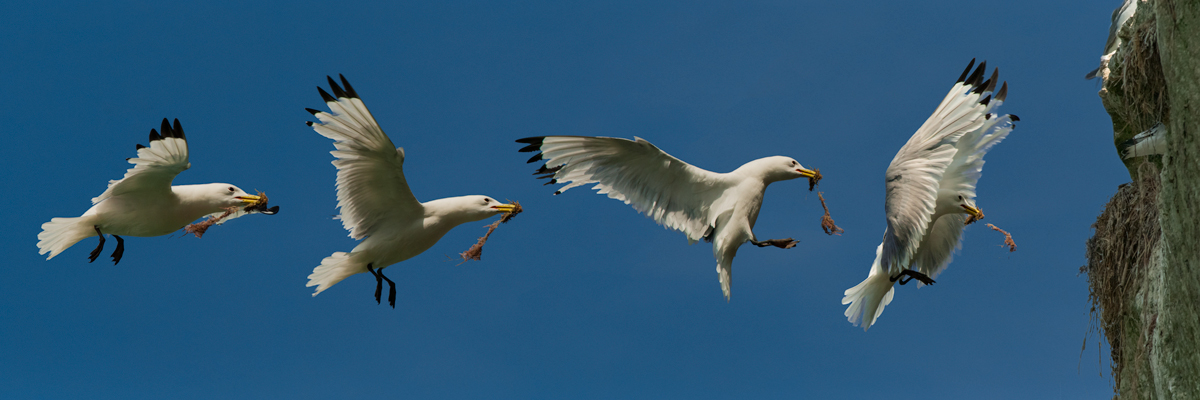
pixel 813 176
pixel 827 221
pixel 1008 241
pixel 257 203
pixel 476 251
pixel 975 214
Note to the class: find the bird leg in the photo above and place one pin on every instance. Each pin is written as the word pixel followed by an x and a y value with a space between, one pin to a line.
pixel 780 243
pixel 120 251
pixel 378 283
pixel 391 289
pixel 908 275
pixel 96 252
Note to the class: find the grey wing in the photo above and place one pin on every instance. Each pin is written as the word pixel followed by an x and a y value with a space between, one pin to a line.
pixel 674 193
pixel 155 166
pixel 371 188
pixel 913 177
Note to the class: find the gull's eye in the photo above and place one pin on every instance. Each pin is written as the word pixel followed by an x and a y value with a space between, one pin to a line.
pixel 485 201
pixel 231 189
pixel 960 198
pixel 794 163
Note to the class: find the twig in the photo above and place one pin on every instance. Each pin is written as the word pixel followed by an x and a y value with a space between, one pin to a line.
pixel 826 220
pixel 1008 241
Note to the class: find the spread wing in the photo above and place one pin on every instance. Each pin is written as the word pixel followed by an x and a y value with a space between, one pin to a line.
pixel 155 166
pixel 674 193
pixel 961 177
pixel 913 177
pixel 370 180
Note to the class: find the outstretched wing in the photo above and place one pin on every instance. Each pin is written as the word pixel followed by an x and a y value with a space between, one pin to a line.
pixel 154 167
pixel 674 193
pixel 912 179
pixel 961 177
pixel 370 179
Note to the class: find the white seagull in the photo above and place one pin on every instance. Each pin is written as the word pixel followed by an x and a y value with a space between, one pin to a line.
pixel 144 203
pixel 1120 15
pixel 931 191
pixel 717 207
pixel 376 203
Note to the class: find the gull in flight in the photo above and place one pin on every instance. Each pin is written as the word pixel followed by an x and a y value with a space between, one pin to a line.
pixel 716 207
pixel 376 203
pixel 931 191
pixel 1119 16
pixel 143 203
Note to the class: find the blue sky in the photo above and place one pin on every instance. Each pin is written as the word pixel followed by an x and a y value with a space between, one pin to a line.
pixel 578 297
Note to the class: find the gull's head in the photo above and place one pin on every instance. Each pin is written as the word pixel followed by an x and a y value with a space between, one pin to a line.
pixel 474 208
pixel 224 195
pixel 780 168
pixel 965 204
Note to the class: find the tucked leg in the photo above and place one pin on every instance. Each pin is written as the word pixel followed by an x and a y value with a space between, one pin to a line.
pixel 391 289
pixel 908 275
pixel 96 252
pixel 378 282
pixel 780 243
pixel 120 251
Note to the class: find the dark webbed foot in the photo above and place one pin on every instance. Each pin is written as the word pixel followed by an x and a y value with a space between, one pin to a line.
pixel 378 283
pixel 120 251
pixel 780 243
pixel 96 252
pixel 908 275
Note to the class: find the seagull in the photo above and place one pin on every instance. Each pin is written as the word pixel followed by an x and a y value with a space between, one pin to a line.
pixel 704 205
pixel 376 203
pixel 144 203
pixel 931 191
pixel 1153 141
pixel 1119 16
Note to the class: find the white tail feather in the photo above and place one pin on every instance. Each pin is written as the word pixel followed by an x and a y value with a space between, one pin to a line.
pixel 867 299
pixel 62 233
pixel 332 270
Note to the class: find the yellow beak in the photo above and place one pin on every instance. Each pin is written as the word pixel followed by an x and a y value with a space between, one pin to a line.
pixel 807 173
pixel 505 207
pixel 249 199
pixel 975 213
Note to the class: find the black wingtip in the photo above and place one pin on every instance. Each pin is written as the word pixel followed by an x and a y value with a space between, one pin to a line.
pixel 1014 117
pixel 557 192
pixel 536 157
pixel 138 147
pixel 531 147
pixel 154 135
pixel 1003 93
pixel 312 111
pixel 532 140
pixel 337 90
pixel 987 99
pixel 349 89
pixel 179 130
pixel 309 123
pixel 551 182
pixel 325 96
pixel 976 77
pixel 963 77
pixel 993 79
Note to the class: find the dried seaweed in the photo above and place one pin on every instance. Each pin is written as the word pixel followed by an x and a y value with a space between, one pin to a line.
pixel 1012 246
pixel 476 250
pixel 812 181
pixel 971 217
pixel 199 228
pixel 827 220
